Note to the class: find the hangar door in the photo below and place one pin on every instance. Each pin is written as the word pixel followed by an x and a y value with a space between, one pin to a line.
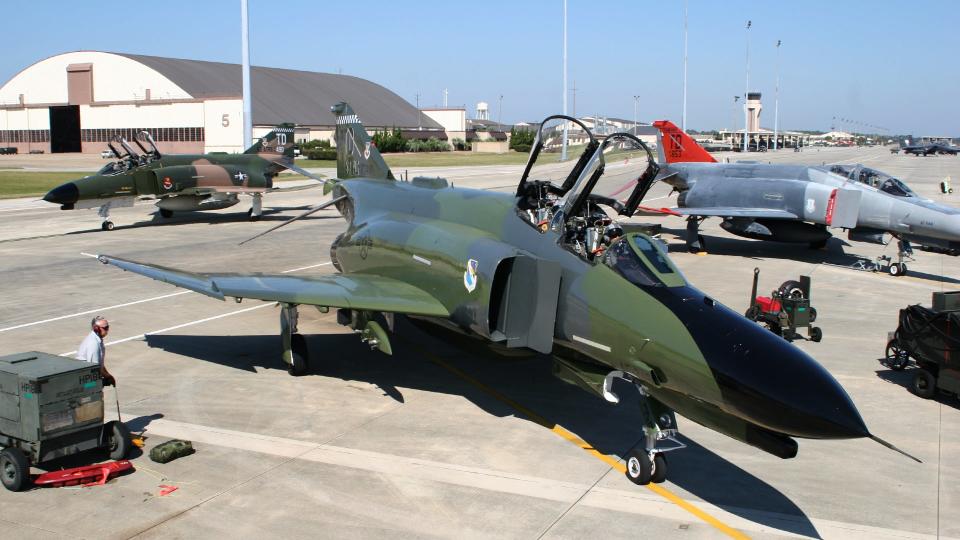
pixel 65 129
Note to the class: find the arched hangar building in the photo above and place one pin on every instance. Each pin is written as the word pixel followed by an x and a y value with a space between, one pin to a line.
pixel 77 101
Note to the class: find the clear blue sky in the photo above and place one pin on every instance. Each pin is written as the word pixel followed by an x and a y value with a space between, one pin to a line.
pixel 885 63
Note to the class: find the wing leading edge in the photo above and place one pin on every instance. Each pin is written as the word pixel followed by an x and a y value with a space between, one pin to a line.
pixel 354 291
pixel 719 212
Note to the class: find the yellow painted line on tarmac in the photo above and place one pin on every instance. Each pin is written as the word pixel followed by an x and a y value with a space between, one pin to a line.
pixel 561 432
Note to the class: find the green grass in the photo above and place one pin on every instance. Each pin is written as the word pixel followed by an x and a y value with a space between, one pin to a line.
pixel 435 159
pixel 29 184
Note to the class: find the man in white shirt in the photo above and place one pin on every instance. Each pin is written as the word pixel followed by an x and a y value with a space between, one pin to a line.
pixel 92 349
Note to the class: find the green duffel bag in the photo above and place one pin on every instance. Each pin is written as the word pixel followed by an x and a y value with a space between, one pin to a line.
pixel 171 450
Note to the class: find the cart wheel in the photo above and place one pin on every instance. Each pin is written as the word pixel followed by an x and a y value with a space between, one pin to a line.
pixel 897 358
pixel 813 314
pixel 639 467
pixel 816 334
pixel 14 469
pixel 752 313
pixel 924 384
pixel 117 440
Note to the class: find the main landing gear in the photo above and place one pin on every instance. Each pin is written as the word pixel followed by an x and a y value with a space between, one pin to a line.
pixel 256 207
pixel 104 212
pixel 649 463
pixel 695 241
pixel 295 353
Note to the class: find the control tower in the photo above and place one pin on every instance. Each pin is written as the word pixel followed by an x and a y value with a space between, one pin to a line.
pixel 753 112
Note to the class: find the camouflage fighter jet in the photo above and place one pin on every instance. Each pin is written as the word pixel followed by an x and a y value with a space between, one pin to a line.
pixel 549 269
pixel 180 182
pixel 798 203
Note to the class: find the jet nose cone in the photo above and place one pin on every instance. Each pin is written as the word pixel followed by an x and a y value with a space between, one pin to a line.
pixel 63 194
pixel 780 387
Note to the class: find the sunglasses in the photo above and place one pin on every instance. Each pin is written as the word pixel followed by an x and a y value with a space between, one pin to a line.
pixel 107 327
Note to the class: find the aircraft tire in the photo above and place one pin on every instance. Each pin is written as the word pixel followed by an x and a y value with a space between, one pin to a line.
pixel 639 467
pixel 813 314
pixel 903 269
pixel 894 269
pixel 659 475
pixel 924 384
pixel 897 358
pixel 14 469
pixel 251 216
pixel 106 226
pixel 117 440
pixel 299 355
pixel 164 213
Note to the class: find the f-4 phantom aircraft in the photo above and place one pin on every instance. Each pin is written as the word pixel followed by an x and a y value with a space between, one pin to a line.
pixel 180 182
pixel 797 203
pixel 549 269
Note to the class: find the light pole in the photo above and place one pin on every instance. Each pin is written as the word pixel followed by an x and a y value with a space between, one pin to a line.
pixel 636 100
pixel 245 57
pixel 563 152
pixel 776 102
pixel 500 114
pixel 683 122
pixel 746 95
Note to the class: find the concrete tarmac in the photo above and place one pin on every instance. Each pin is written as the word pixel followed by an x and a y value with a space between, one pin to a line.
pixel 438 441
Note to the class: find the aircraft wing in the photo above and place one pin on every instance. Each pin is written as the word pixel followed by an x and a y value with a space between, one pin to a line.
pixel 354 291
pixel 718 211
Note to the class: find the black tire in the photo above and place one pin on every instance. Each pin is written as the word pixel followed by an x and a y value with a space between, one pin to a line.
pixel 752 313
pixel 107 226
pixel 897 358
pixel 299 355
pixel 813 314
pixel 903 269
pixel 924 384
pixel 639 467
pixel 791 289
pixel 659 475
pixel 816 334
pixel 164 213
pixel 896 269
pixel 14 469
pixel 116 440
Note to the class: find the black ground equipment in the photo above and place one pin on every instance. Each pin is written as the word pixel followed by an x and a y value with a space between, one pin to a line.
pixel 786 309
pixel 51 407
pixel 931 337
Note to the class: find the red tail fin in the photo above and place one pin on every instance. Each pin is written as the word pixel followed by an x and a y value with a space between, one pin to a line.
pixel 678 147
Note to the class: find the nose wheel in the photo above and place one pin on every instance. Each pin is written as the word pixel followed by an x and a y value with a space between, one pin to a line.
pixel 647 463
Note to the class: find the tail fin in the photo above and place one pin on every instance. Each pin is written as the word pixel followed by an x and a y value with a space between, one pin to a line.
pixel 356 154
pixel 276 145
pixel 677 147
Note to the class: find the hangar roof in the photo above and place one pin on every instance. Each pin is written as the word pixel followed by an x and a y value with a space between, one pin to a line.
pixel 287 95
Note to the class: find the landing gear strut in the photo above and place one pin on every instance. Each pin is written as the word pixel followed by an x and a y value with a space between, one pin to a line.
pixel 256 207
pixel 295 353
pixel 104 213
pixel 905 252
pixel 648 464
pixel 695 241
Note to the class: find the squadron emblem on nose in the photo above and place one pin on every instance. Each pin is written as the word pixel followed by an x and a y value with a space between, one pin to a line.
pixel 470 276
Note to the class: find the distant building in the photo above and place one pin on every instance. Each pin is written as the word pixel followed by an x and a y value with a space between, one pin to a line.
pixel 760 137
pixel 77 101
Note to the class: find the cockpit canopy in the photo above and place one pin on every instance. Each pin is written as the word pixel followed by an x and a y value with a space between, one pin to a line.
pixel 874 178
pixel 572 180
pixel 641 262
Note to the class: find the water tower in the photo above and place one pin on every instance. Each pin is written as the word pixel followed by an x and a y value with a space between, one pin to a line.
pixel 482 111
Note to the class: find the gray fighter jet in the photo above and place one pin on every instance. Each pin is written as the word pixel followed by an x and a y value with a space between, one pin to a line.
pixel 797 203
